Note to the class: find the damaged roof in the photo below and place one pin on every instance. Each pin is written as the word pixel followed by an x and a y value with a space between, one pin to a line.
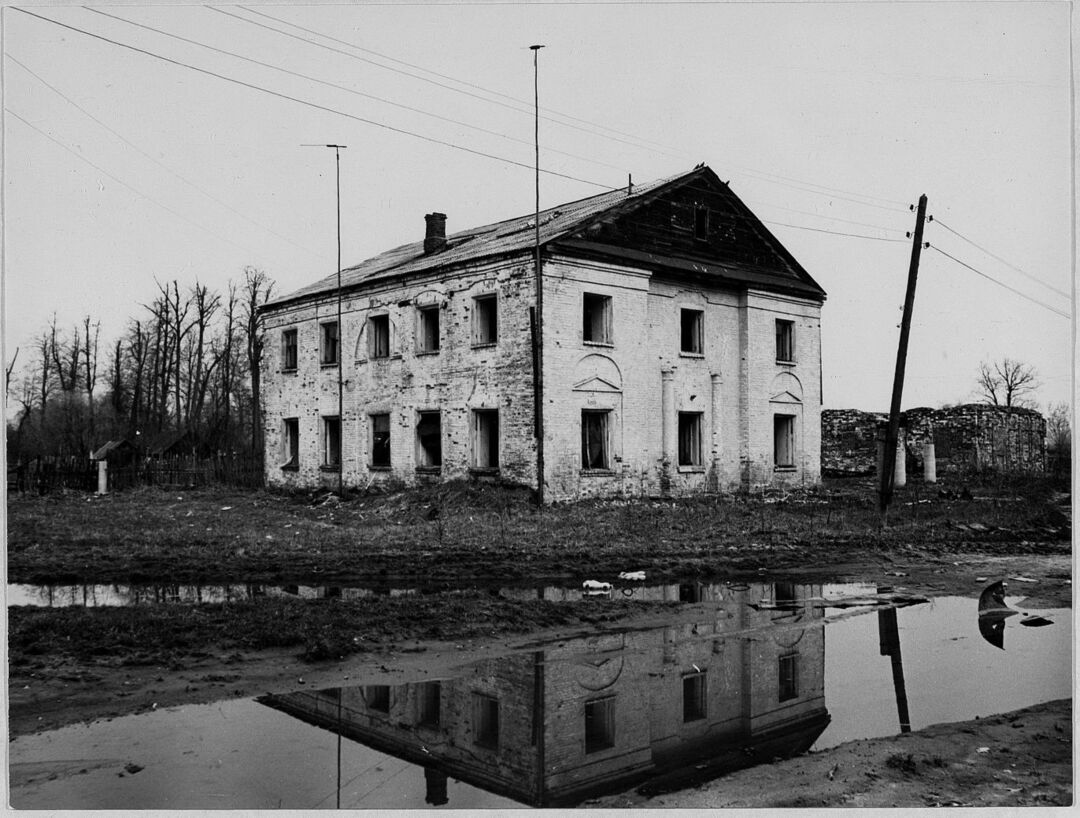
pixel 560 222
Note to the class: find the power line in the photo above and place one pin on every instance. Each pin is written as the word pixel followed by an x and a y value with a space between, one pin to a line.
pixel 645 144
pixel 415 76
pixel 1001 283
pixel 139 150
pixel 1003 261
pixel 833 232
pixel 125 184
pixel 309 104
pixel 344 88
pixel 462 82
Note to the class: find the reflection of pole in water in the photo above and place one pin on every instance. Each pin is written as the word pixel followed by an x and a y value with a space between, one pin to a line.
pixel 340 727
pixel 889 637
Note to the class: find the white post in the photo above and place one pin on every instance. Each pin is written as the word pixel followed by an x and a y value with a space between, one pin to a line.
pixel 102 477
pixel 900 469
pixel 929 462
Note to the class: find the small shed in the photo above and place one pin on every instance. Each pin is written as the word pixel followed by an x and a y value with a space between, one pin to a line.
pixel 116 453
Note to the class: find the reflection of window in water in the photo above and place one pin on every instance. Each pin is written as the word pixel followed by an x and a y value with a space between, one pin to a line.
pixel 599 724
pixel 429 696
pixel 789 677
pixel 784 592
pixel 693 697
pixel 377 697
pixel 690 592
pixel 486 720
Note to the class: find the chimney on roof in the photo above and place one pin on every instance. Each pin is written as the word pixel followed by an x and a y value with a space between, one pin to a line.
pixel 435 237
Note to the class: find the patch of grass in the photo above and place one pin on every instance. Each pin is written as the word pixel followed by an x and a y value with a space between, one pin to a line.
pixel 903 762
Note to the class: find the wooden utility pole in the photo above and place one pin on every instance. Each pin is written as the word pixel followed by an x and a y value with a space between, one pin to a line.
pixel 891 434
pixel 538 321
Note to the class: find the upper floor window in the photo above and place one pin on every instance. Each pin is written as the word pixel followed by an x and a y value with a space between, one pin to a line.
pixel 427 330
pixel 485 323
pixel 691 331
pixel 694 697
pixel 596 319
pixel 288 350
pixel 485 721
pixel 785 340
pixel 599 724
pixel 328 347
pixel 379 336
pixel 789 677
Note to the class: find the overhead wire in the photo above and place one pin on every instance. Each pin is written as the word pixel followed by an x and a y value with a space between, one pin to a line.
pixel 135 190
pixel 414 76
pixel 344 88
pixel 1000 283
pixel 310 104
pixel 466 83
pixel 156 161
pixel 1037 280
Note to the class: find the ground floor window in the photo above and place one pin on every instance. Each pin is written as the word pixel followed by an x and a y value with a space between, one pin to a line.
pixel 690 439
pixel 380 441
pixel 486 438
pixel 485 720
pixel 290 442
pixel 332 442
pixel 429 701
pixel 784 441
pixel 594 439
pixel 377 697
pixel 429 440
pixel 789 677
pixel 599 724
pixel 694 697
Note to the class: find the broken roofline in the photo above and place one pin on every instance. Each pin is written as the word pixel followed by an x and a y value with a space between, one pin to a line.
pixel 512 237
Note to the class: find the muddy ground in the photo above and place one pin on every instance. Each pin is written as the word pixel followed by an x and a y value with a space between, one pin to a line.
pixel 73 665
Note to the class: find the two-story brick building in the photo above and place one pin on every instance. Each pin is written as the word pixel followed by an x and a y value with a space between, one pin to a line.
pixel 677 346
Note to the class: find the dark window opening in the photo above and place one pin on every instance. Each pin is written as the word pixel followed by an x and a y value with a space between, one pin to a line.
pixel 485 720
pixel 596 318
pixel 691 331
pixel 485 320
pixel 689 438
pixel 329 344
pixel 789 677
pixel 429 700
pixel 377 697
pixel 332 442
pixel 690 592
pixel 380 440
pixel 486 438
pixel 291 442
pixel 429 440
pixel 599 724
pixel 785 341
pixel 428 331
pixel 379 336
pixel 594 439
pixel 784 441
pixel 784 593
pixel 288 350
pixel 694 698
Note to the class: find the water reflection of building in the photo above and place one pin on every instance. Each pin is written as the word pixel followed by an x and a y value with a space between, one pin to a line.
pixel 743 681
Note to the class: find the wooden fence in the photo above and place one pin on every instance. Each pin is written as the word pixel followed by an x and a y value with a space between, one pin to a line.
pixel 49 474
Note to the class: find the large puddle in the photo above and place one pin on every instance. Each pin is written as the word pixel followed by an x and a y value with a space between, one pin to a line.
pixel 765 670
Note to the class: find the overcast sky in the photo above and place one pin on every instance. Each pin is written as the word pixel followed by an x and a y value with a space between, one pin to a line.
pixel 829 119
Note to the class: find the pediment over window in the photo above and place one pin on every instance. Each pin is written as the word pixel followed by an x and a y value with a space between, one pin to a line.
pixel 784 397
pixel 786 388
pixel 596 384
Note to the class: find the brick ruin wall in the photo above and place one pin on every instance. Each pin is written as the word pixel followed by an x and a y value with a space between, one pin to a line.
pixel 971 437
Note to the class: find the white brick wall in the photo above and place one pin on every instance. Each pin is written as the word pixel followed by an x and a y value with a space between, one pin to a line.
pixel 735 383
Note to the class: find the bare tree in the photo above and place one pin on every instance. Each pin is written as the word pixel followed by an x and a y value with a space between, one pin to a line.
pixel 90 364
pixel 7 372
pixel 1007 383
pixel 1059 436
pixel 257 289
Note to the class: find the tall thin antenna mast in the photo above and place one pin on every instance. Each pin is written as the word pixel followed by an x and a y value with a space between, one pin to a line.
pixel 538 335
pixel 338 356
